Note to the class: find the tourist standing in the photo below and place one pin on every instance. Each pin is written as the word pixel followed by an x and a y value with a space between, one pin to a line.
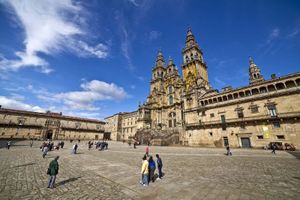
pixel 152 168
pixel 62 144
pixel 159 166
pixel 8 145
pixel 52 172
pixel 145 171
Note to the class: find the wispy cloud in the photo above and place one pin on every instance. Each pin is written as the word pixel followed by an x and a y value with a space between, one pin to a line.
pixel 125 47
pixel 219 81
pixel 153 35
pixel 134 2
pixel 295 31
pixel 273 35
pixel 270 41
pixel 50 27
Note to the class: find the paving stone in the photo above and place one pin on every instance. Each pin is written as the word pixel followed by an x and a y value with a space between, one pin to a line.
pixel 190 173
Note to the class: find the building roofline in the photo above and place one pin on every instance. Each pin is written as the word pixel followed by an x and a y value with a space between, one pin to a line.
pixel 48 114
pixel 254 85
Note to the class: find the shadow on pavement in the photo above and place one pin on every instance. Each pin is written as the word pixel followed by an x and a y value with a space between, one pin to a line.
pixel 295 153
pixel 67 181
pixel 27 164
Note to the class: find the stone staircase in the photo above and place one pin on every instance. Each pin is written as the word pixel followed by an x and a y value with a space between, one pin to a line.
pixel 157 137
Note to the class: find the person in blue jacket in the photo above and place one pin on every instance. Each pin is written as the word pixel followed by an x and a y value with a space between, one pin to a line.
pixel 152 167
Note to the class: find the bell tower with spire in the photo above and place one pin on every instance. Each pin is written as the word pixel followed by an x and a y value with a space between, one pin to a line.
pixel 158 73
pixel 254 72
pixel 194 68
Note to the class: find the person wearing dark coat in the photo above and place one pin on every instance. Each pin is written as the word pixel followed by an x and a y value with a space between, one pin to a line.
pixel 152 168
pixel 159 166
pixel 52 172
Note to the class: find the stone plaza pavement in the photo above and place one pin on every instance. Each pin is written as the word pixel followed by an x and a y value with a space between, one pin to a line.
pixel 190 173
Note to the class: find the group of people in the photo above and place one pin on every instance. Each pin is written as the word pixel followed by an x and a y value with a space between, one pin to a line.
pixel 149 167
pixel 49 146
pixel 99 145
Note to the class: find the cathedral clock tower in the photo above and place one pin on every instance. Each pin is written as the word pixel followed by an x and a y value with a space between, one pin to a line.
pixel 194 68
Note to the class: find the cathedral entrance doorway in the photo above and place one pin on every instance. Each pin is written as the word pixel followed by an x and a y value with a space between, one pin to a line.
pixel 49 135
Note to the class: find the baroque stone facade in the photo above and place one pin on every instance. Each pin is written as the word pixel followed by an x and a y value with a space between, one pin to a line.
pixel 49 125
pixel 189 108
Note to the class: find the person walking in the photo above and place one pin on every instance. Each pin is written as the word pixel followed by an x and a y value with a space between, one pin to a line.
pixel 45 150
pixel 159 166
pixel 145 171
pixel 31 142
pixel 152 168
pixel 52 172
pixel 273 146
pixel 73 148
pixel 76 147
pixel 228 150
pixel 147 150
pixel 8 145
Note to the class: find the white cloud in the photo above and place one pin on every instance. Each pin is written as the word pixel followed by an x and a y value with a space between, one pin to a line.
pixel 17 104
pixel 50 27
pixel 84 99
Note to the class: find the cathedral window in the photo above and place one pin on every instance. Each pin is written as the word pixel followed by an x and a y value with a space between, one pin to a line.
pixel 170 89
pixel 170 100
pixel 172 119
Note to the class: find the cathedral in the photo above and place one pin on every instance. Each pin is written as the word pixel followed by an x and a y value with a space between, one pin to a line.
pixel 188 111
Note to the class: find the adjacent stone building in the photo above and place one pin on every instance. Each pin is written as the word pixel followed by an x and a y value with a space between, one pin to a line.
pixel 49 125
pixel 188 111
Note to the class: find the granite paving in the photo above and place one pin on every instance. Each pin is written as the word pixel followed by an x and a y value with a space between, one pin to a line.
pixel 189 173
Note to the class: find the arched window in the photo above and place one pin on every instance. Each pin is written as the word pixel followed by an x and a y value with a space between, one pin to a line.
pixel 170 89
pixel 170 100
pixel 172 119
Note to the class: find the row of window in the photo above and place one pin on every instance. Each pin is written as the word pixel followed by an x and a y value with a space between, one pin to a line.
pixel 127 130
pixel 240 114
pixel 254 91
pixel 279 137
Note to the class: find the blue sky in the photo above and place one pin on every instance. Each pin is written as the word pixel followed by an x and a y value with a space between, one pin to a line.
pixel 94 58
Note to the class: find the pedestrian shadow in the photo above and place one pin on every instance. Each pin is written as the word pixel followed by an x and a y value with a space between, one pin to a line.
pixel 67 181
pixel 79 153
pixel 27 164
